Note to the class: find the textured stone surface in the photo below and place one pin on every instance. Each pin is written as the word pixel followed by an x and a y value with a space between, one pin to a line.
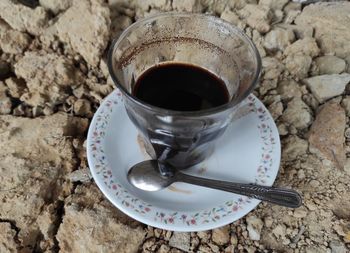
pixel 48 77
pixel 327 86
pixel 14 42
pixel 278 39
pixel 330 64
pixel 55 6
pixel 331 22
pixel 180 240
pixel 30 178
pixel 89 215
pixel 87 34
pixel 31 20
pixel 327 134
pixel 297 114
pixel 7 238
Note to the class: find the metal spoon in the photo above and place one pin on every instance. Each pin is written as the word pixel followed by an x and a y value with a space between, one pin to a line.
pixel 153 176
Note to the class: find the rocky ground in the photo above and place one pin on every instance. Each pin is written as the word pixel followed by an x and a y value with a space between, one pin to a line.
pixel 53 77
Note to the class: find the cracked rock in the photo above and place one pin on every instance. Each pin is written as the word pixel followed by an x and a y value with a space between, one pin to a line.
pixel 14 42
pixel 16 87
pixel 55 6
pixel 306 46
pixel 82 107
pixel 221 236
pixel 346 105
pixel 327 134
pixel 89 215
pixel 278 39
pixel 48 77
pixel 330 64
pixel 31 20
pixel 254 227
pixel 257 16
pixel 331 22
pixel 297 114
pixel 288 89
pixel 293 148
pixel 187 5
pixel 7 238
pixel 180 240
pixel 272 68
pixel 87 34
pixel 31 178
pixel 327 86
pixel 298 65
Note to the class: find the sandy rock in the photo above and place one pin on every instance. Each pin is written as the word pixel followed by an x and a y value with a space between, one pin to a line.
pixel 145 5
pixel 16 87
pixel 102 89
pixel 180 240
pixel 118 25
pixel 337 247
pixel 306 46
pixel 14 42
pixel 330 64
pixel 297 114
pixel 232 17
pixel 87 34
pixel 288 89
pixel 5 101
pixel 274 4
pixel 272 68
pixel 293 147
pixel 31 21
pixel 42 134
pixel 276 110
pixel 82 107
pixel 346 105
pixel 327 86
pixel 221 236
pixel 331 22
pixel 48 77
pixel 4 70
pixel 347 60
pixel 278 39
pixel 187 5
pixel 279 231
pixel 300 32
pixel 257 16
pixel 47 221
pixel 254 227
pixel 55 6
pixel 105 233
pixel 88 196
pixel 163 249
pixel 327 134
pixel 29 177
pixel 298 65
pixel 267 85
pixel 7 238
pixel 81 175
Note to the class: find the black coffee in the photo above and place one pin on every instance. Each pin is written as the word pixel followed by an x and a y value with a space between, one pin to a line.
pixel 181 87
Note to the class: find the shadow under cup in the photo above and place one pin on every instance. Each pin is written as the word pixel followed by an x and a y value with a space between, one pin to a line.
pixel 183 138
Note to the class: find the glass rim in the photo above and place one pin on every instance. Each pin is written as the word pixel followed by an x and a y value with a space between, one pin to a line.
pixel 168 112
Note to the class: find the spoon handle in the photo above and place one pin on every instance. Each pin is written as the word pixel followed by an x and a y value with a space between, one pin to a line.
pixel 279 196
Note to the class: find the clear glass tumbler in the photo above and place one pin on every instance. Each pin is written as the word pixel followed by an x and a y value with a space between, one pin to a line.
pixel 183 138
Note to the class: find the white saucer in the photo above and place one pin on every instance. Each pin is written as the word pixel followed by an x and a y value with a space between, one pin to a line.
pixel 248 152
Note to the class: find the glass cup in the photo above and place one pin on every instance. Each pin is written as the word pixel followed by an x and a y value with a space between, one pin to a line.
pixel 183 138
